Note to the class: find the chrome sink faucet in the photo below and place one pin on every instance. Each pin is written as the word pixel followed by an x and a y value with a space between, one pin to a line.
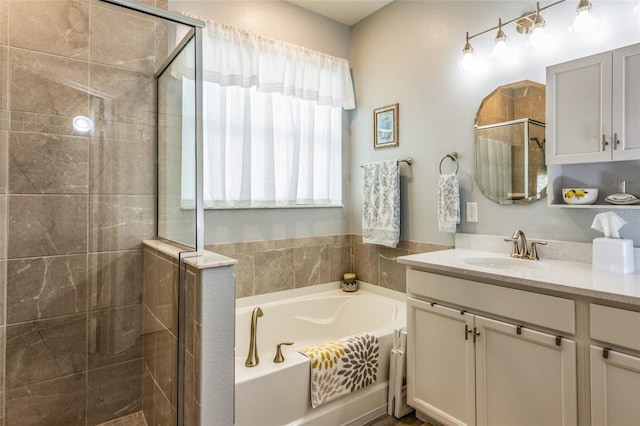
pixel 520 249
pixel 252 357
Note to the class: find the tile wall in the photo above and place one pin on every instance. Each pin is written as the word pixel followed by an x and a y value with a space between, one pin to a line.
pixel 160 340
pixel 73 209
pixel 276 265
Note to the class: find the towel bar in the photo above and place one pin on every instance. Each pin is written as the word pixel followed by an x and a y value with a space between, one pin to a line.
pixel 408 160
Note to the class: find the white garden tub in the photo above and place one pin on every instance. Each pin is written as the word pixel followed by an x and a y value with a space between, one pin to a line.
pixel 278 394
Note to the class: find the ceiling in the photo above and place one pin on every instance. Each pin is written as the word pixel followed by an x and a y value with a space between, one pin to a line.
pixel 348 12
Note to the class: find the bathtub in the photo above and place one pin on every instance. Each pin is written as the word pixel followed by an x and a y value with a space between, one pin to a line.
pixel 277 394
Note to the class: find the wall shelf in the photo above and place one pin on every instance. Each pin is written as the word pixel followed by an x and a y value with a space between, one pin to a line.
pixel 603 176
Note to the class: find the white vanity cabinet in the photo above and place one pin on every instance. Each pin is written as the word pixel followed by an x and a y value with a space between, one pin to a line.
pixel 478 355
pixel 593 108
pixel 615 373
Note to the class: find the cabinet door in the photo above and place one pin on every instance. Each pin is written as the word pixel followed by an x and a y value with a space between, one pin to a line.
pixel 524 379
pixel 615 388
pixel 626 102
pixel 440 363
pixel 578 105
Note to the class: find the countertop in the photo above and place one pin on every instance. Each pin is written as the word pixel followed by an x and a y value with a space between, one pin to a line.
pixel 570 278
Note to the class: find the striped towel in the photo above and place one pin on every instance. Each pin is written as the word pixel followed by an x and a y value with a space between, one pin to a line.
pixel 342 366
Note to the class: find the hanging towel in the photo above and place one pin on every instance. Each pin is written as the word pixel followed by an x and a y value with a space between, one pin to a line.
pixel 381 203
pixel 448 203
pixel 342 366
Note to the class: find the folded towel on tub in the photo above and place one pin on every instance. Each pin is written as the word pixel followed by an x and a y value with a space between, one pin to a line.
pixel 342 366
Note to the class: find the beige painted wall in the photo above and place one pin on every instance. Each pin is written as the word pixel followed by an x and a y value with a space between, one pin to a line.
pixel 408 53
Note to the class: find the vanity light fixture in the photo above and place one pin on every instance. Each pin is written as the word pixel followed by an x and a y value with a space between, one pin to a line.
pixel 533 25
pixel 586 20
pixel 502 49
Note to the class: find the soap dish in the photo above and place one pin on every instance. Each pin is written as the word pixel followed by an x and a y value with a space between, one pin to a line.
pixel 622 199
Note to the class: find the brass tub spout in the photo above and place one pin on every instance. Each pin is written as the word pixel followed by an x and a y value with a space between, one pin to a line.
pixel 252 357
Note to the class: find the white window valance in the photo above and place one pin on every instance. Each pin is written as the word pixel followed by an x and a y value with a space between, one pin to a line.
pixel 238 58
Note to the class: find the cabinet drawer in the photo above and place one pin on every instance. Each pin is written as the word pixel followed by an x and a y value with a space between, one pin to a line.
pixel 615 326
pixel 551 312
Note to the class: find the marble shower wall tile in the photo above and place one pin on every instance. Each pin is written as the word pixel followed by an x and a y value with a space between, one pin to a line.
pixel 3 284
pixel 148 389
pixel 160 289
pixel 48 164
pixel 44 225
pixel 114 336
pixel 120 222
pixel 46 349
pixel 121 167
pixel 115 279
pixel 111 29
pixel 114 391
pixel 48 84
pixel 166 365
pixel 4 71
pixel 59 27
pixel 46 287
pixel 123 95
pixel 56 402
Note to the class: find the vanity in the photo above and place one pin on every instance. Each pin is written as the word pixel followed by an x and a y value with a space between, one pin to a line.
pixel 495 340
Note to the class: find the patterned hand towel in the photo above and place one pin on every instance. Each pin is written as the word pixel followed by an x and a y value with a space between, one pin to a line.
pixel 448 203
pixel 381 203
pixel 342 366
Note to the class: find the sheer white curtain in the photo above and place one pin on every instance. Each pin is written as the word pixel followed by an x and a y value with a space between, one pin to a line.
pixel 272 121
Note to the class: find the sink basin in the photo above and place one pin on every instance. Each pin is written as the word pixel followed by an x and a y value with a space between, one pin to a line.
pixel 503 263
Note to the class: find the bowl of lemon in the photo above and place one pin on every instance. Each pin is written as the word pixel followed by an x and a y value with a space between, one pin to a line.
pixel 579 195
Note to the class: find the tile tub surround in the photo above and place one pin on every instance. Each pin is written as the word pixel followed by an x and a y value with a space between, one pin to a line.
pixel 275 265
pixel 160 338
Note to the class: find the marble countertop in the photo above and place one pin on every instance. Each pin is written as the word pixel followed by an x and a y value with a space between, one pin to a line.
pixel 570 278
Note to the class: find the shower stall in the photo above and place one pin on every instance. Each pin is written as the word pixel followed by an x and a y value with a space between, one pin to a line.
pixel 92 322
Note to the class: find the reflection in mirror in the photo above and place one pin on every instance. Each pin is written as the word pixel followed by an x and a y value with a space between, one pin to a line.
pixel 510 141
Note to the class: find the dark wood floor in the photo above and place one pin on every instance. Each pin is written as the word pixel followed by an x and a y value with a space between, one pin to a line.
pixel 408 420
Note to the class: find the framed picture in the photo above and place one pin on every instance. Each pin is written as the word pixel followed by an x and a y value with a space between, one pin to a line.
pixel 385 127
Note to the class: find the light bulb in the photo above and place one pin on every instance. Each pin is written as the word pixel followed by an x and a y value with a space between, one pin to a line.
pixel 586 20
pixel 468 61
pixel 502 50
pixel 539 36
pixel 82 125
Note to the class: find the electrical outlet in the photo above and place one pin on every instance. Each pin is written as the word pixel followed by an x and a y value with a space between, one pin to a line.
pixel 472 211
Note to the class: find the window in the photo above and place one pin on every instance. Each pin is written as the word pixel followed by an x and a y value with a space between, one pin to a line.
pixel 272 123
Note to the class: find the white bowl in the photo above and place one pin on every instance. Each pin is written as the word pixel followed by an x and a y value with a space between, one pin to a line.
pixel 579 195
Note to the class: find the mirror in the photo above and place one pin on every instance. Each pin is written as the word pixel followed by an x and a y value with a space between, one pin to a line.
pixel 510 141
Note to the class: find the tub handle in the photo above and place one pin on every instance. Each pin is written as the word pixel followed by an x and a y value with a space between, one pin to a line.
pixel 279 357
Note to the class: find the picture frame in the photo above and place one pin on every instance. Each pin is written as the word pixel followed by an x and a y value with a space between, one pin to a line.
pixel 385 127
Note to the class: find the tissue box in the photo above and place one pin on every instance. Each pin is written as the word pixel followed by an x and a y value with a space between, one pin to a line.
pixel 613 255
